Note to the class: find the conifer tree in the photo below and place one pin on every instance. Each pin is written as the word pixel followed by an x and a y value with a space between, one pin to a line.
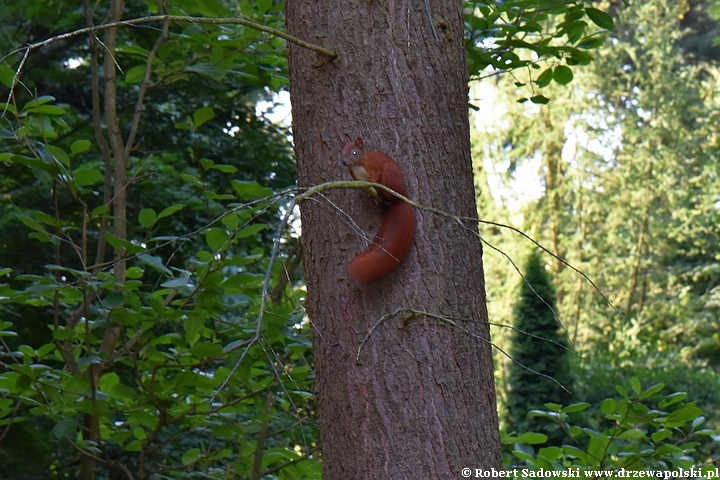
pixel 538 345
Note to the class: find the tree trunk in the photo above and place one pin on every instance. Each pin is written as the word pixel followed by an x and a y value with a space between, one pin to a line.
pixel 421 401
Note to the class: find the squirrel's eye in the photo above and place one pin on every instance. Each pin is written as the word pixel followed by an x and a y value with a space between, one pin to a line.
pixel 355 153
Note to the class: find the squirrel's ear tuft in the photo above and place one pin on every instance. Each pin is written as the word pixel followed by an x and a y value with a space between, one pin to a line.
pixel 358 142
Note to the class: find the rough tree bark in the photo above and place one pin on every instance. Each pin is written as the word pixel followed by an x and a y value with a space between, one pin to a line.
pixel 421 402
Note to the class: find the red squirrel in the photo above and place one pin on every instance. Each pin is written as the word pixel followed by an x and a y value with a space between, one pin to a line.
pixel 395 237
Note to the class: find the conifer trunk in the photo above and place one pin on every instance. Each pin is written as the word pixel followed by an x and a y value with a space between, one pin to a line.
pixel 421 401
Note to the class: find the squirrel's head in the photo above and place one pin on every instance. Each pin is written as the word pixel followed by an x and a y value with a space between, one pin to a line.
pixel 353 152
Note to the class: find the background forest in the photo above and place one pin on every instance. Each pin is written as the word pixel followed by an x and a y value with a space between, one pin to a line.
pixel 619 178
pixel 595 134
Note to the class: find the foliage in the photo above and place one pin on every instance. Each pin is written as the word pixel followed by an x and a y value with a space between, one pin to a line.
pixel 641 430
pixel 663 232
pixel 625 162
pixel 538 347
pixel 188 364
pixel 594 383
pixel 532 34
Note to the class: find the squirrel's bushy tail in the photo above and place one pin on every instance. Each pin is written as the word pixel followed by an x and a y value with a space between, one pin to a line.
pixel 390 247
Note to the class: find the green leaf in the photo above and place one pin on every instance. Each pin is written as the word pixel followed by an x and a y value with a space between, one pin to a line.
pixel 22 383
pixel 550 453
pixel 216 72
pixel 608 406
pixel 62 333
pixel 147 217
pixel 250 231
pixel 574 452
pixel 124 392
pixel 539 100
pixel 183 126
pixel 45 218
pixel 250 190
pixel 553 407
pixel 225 168
pixel 236 283
pixel 672 398
pixel 576 407
pixel 632 435
pixel 133 49
pixel 134 272
pixel 562 75
pixel 80 146
pixel 216 238
pixel 589 43
pixel 669 449
pixel 39 101
pixel 81 385
pixel 155 262
pixel 193 325
pixel 661 435
pixel 46 110
pixel 99 211
pixel 578 57
pixel 212 8
pixel 46 349
pixel 114 299
pixel 108 381
pixel 635 385
pixel 685 413
pixel 119 244
pixel 6 75
pixel 263 5
pixel 532 438
pixel 206 350
pixel 29 222
pixel 65 428
pixel 84 361
pixel 6 134
pixel 170 210
pixel 213 196
pixel 523 456
pixel 191 456
pixel 203 115
pixel 233 345
pixel 27 351
pixel 652 390
pixel 136 74
pixel 179 282
pixel 88 176
pixel 575 31
pixel 231 221
pixel 600 18
pixel 222 453
pixel 59 154
pixel 34 163
pixel 544 79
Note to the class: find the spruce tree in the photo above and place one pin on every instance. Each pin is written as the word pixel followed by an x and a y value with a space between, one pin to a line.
pixel 539 343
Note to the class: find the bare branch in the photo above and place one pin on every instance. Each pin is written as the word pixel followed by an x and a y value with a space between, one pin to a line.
pixel 174 18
